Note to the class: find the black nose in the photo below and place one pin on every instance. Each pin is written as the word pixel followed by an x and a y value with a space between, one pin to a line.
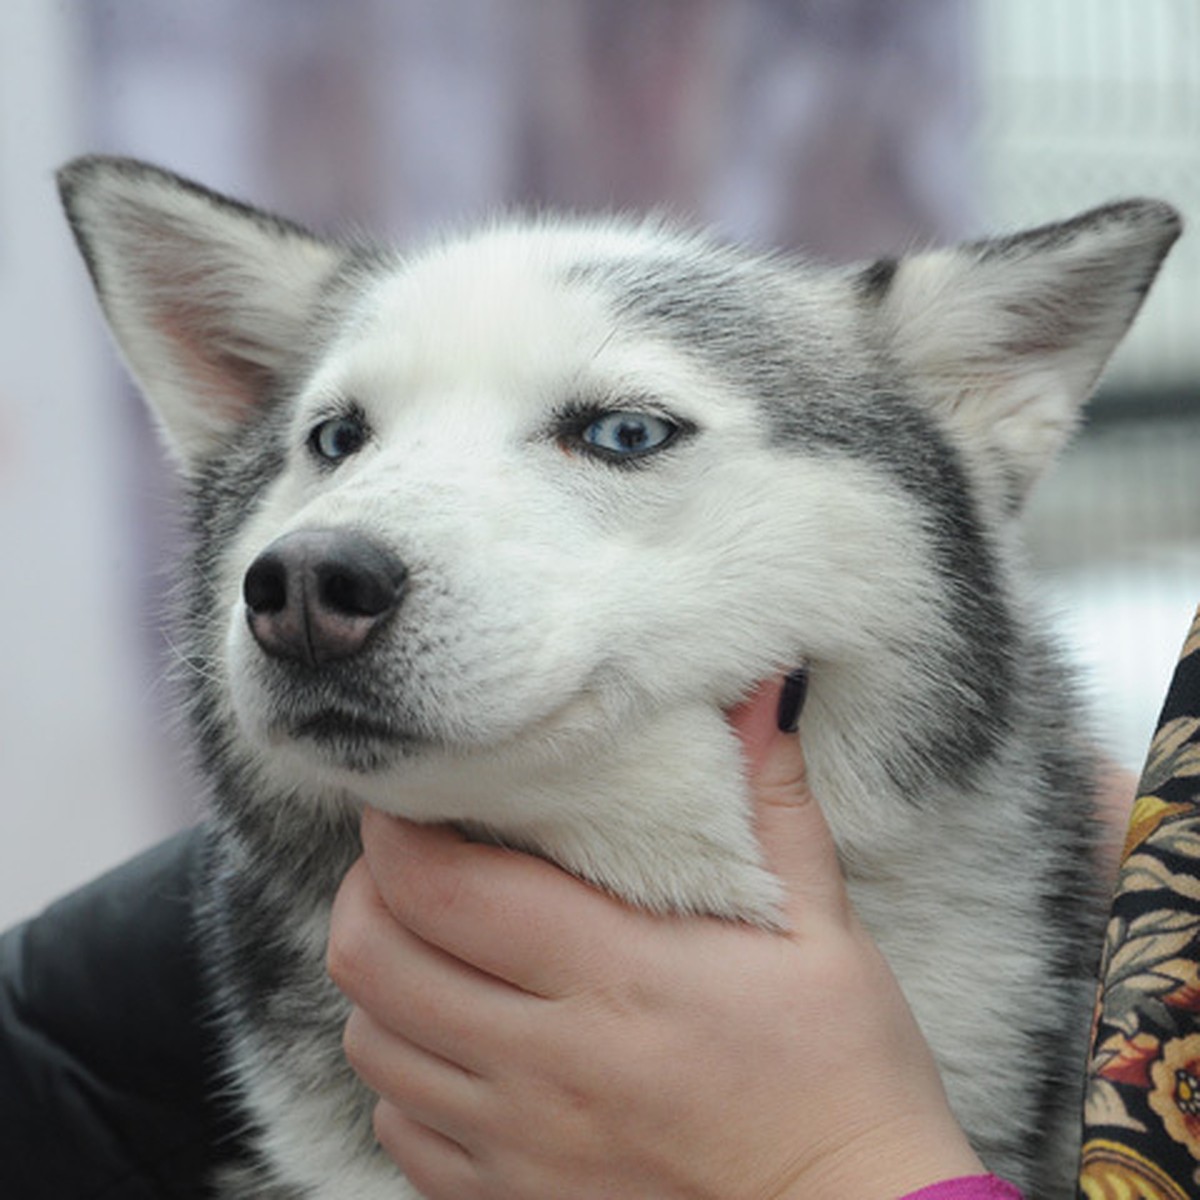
pixel 316 595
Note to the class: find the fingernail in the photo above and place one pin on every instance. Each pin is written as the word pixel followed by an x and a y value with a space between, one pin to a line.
pixel 791 700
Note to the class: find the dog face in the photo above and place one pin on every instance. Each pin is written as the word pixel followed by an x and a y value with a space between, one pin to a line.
pixel 501 502
pixel 572 523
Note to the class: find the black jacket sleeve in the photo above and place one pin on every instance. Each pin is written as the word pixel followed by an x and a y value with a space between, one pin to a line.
pixel 107 1060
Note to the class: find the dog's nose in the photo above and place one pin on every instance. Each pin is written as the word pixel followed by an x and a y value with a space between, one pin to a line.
pixel 316 595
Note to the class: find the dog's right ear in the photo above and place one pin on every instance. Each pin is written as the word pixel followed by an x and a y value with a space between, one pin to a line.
pixel 1006 338
pixel 210 301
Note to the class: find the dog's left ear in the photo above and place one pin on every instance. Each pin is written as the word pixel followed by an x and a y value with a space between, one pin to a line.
pixel 1006 339
pixel 211 301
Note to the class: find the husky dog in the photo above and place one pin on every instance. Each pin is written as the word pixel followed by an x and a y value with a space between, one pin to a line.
pixel 492 532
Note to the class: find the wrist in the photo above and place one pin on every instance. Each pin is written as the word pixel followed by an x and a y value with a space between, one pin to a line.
pixel 899 1162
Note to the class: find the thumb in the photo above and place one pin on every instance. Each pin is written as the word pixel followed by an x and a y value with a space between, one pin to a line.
pixel 795 838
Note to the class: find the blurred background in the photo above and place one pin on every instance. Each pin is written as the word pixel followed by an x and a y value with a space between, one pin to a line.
pixel 850 128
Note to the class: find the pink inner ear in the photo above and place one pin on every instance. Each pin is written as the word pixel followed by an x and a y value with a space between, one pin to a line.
pixel 189 288
pixel 225 369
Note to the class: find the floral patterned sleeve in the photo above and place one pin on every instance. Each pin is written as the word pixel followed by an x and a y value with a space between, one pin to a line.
pixel 1142 1111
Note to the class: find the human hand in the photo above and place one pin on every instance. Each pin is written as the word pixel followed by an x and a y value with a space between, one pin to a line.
pixel 531 1037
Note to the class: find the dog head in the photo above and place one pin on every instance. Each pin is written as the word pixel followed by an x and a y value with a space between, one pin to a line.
pixel 506 499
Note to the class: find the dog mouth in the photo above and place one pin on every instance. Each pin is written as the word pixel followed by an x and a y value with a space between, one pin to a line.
pixel 333 725
pixel 374 734
pixel 353 741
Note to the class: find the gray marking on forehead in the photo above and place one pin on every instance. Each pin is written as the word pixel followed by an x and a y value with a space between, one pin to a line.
pixel 698 297
pixel 747 317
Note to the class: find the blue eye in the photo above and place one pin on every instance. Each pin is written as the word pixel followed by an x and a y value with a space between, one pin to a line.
pixel 628 434
pixel 338 437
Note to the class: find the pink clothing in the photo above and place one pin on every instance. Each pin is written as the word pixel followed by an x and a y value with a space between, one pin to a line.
pixel 968 1187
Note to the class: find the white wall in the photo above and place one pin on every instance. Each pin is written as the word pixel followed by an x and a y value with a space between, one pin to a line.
pixel 77 787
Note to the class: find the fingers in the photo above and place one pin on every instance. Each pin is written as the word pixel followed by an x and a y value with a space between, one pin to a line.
pixel 434 1164
pixel 414 989
pixel 796 840
pixel 440 1094
pixel 454 895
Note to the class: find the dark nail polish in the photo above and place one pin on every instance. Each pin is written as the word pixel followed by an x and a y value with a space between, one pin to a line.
pixel 791 700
